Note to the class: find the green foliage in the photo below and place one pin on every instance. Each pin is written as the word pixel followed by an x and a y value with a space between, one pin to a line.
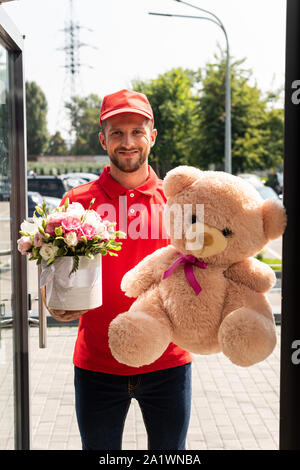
pixel 57 145
pixel 45 168
pixel 36 118
pixel 253 125
pixel 84 115
pixel 75 264
pixel 189 110
pixel 173 101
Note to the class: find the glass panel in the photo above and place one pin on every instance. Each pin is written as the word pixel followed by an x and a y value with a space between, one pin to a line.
pixel 6 332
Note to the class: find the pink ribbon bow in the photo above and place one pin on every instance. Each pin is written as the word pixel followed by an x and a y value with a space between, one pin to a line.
pixel 189 261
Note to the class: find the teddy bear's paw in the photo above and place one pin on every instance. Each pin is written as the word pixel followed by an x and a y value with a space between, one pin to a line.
pixel 136 339
pixel 247 337
pixel 132 287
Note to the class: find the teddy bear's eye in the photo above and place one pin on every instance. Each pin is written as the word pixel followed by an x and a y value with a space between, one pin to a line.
pixel 226 232
pixel 194 219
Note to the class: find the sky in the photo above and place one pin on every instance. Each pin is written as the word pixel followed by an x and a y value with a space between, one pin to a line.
pixel 123 42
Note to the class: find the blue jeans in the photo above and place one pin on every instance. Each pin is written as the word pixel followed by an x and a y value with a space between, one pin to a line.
pixel 102 402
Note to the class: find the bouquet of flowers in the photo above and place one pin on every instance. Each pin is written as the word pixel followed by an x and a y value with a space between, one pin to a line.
pixel 63 241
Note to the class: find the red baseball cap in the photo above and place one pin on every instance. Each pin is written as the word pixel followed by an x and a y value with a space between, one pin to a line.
pixel 125 101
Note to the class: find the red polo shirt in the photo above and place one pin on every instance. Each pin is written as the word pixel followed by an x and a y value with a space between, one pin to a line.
pixel 138 213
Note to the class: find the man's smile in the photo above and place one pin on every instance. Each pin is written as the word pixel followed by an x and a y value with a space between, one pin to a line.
pixel 128 153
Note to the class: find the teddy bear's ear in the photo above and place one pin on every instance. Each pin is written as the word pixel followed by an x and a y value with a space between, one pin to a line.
pixel 177 179
pixel 274 217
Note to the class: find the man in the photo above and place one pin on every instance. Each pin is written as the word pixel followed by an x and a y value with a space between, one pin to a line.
pixel 129 192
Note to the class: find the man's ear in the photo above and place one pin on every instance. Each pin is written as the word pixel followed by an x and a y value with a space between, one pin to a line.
pixel 102 140
pixel 153 136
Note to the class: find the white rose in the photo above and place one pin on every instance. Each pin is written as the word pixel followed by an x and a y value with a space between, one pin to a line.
pixel 76 210
pixel 32 226
pixel 71 239
pixel 94 219
pixel 48 251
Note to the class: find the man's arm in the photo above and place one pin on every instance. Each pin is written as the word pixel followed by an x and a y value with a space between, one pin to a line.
pixel 63 315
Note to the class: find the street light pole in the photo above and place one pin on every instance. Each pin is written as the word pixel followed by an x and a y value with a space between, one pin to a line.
pixel 218 22
pixel 228 157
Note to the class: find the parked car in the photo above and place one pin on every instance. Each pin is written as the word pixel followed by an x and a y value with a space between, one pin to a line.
pixel 36 199
pixel 251 178
pixel 73 182
pixel 267 192
pixel 81 175
pixel 53 186
pixel 275 180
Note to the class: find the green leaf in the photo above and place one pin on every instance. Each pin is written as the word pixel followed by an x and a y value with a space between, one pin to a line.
pixel 75 264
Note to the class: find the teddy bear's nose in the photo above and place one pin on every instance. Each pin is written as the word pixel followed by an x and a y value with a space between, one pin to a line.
pixel 208 239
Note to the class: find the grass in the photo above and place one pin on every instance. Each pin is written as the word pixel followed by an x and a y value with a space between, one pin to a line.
pixel 49 168
pixel 275 264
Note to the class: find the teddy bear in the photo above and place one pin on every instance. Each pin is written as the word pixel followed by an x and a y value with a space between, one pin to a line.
pixel 205 291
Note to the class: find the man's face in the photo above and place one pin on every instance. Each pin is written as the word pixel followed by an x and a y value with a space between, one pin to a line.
pixel 128 138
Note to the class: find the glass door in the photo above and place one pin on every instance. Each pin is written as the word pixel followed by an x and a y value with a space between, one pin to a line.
pixel 14 370
pixel 6 336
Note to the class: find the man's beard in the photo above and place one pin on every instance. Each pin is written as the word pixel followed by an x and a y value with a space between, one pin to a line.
pixel 127 164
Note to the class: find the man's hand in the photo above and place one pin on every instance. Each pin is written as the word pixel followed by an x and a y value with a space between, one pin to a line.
pixel 66 315
pixel 62 315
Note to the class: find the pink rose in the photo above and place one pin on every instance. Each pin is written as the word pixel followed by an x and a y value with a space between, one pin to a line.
pixel 24 244
pixel 51 229
pixel 70 224
pixel 87 231
pixel 76 210
pixel 38 239
pixel 54 220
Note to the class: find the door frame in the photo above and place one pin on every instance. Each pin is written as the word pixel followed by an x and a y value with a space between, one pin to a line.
pixel 290 319
pixel 13 41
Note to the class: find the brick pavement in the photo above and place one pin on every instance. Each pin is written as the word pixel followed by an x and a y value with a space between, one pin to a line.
pixel 232 407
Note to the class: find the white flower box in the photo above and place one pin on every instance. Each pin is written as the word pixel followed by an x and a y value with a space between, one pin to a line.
pixel 82 290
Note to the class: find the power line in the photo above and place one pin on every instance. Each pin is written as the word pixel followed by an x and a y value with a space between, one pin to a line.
pixel 72 84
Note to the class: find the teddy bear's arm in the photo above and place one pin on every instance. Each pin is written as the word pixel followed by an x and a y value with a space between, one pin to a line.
pixel 253 273
pixel 147 272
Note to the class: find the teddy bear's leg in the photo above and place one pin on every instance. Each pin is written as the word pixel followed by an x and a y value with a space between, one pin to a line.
pixel 141 335
pixel 247 334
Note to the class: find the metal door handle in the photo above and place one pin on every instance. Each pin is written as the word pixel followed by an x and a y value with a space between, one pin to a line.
pixel 42 315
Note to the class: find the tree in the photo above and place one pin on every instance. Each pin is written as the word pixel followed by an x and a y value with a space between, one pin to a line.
pixel 251 121
pixel 57 145
pixel 36 117
pixel 84 117
pixel 173 102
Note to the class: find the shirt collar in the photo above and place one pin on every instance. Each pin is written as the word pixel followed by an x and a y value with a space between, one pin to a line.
pixel 114 189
